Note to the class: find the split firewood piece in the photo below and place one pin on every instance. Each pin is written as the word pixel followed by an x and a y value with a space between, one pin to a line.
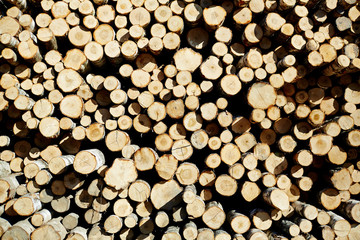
pixel 87 161
pixel 214 215
pixel 121 173
pixel 27 204
pixel 214 16
pixel 165 195
pixel 226 185
pixel 20 230
pixel 239 223
pixel 53 229
pixel 276 198
pixel 187 59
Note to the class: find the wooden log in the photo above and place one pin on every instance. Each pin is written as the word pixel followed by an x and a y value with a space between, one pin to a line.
pixel 88 161
pixel 320 144
pixel 190 231
pixel 9 185
pixel 306 210
pixel 214 209
pixel 161 219
pixel 181 59
pixel 166 166
pixel 239 223
pixel 95 53
pixel 349 209
pixel 329 198
pixel 53 228
pixel 21 230
pixel 127 170
pixel 27 204
pixel 282 200
pixel 164 195
pixel 340 226
pixel 211 22
pixel 187 173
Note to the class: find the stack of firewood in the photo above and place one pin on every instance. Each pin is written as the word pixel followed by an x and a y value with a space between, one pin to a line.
pixel 169 120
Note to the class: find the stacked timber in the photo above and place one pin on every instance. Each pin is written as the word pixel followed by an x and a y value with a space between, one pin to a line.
pixel 180 119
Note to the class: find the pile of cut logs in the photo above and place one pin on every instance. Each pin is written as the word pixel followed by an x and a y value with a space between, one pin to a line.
pixel 180 119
